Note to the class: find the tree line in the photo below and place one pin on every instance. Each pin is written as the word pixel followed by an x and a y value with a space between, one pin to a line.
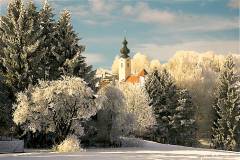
pixel 48 92
pixel 33 46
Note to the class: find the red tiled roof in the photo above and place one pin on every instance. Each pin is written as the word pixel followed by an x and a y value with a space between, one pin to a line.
pixel 133 79
pixel 136 78
pixel 142 73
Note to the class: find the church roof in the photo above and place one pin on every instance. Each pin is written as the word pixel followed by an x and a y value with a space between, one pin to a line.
pixel 133 79
pixel 136 78
pixel 142 73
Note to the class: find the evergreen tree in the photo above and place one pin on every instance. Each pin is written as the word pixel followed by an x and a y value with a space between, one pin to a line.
pixel 226 127
pixel 48 25
pixel 21 50
pixel 5 107
pixel 163 94
pixel 68 52
pixel 78 67
pixel 34 46
pixel 173 108
pixel 183 121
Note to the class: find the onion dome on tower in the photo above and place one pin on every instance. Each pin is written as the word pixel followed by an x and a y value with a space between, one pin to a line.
pixel 124 51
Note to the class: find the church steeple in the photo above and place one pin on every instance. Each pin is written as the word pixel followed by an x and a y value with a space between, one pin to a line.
pixel 124 50
pixel 124 62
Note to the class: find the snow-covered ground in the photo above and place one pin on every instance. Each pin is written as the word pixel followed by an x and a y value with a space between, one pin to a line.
pixel 165 152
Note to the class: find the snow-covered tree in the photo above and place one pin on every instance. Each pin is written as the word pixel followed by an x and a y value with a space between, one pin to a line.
pixel 173 109
pixel 155 65
pixel 139 61
pixel 21 50
pixel 183 122
pixel 78 67
pixel 163 98
pixel 137 105
pixel 226 128
pixel 198 72
pixel 5 106
pixel 55 106
pixel 115 65
pixel 68 52
pixel 48 65
pixel 112 120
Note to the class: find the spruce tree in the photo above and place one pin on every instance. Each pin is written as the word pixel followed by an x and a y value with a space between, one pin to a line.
pixel 5 107
pixel 78 67
pixel 68 52
pixel 173 108
pixel 163 95
pixel 226 127
pixel 183 122
pixel 21 50
pixel 20 53
pixel 48 25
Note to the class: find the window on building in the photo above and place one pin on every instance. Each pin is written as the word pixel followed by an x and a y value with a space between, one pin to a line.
pixel 121 65
pixel 127 64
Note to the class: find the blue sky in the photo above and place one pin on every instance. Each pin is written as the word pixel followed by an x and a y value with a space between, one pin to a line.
pixel 157 28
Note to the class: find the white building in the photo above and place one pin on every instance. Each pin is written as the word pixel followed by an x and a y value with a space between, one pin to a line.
pixel 124 72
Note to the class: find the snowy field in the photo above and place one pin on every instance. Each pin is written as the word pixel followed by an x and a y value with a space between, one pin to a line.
pixel 164 153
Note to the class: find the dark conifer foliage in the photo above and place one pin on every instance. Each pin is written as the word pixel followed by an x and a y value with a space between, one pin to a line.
pixel 68 52
pixel 34 45
pixel 21 51
pixel 226 127
pixel 173 109
pixel 184 119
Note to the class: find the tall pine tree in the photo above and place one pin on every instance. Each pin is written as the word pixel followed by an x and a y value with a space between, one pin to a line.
pixel 47 23
pixel 20 52
pixel 226 127
pixel 68 52
pixel 173 108
pixel 163 94
pixel 5 107
pixel 183 122
pixel 21 49
pixel 34 46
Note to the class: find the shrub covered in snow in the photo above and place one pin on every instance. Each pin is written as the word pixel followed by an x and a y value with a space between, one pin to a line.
pixel 70 144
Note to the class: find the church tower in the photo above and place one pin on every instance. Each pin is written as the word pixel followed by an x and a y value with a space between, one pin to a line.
pixel 125 62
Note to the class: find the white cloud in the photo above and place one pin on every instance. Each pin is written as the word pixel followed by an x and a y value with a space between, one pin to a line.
pixel 102 6
pixel 78 10
pixel 95 12
pixel 93 58
pixel 144 13
pixel 164 52
pixel 178 21
pixel 234 4
pixel 204 23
